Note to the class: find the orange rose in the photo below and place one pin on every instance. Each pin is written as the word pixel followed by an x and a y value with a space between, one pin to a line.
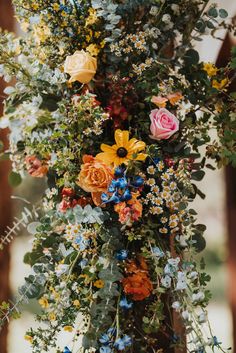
pixel 137 283
pixel 94 177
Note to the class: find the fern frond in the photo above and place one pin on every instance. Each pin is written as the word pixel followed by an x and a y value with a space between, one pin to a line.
pixel 26 217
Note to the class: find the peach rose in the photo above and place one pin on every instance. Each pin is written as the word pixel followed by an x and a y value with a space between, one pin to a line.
pixel 94 177
pixel 81 67
pixel 163 124
pixel 35 167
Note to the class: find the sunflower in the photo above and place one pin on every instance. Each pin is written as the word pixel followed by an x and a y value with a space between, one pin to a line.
pixel 123 151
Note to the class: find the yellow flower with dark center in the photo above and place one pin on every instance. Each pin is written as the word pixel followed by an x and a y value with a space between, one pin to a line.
pixel 99 283
pixel 210 69
pixel 123 151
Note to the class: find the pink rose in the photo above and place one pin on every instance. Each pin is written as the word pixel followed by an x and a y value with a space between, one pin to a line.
pixel 163 124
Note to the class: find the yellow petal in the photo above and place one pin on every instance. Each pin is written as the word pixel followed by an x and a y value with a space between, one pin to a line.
pixel 107 148
pixel 121 137
pixel 134 145
pixel 141 157
pixel 106 157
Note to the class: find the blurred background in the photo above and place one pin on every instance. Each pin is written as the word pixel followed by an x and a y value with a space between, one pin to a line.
pixel 218 212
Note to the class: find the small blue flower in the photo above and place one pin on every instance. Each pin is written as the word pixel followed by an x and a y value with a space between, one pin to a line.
pixel 104 197
pixel 125 304
pixel 126 196
pixel 67 350
pixel 119 172
pixel 138 182
pixel 113 186
pixel 122 255
pixel 158 252
pixel 215 341
pixel 111 331
pixel 105 349
pixel 156 160
pixel 122 343
pixel 83 263
pixel 122 182
pixel 105 339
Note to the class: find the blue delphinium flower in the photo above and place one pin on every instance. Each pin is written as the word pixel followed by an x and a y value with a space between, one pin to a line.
pixel 105 339
pixel 126 196
pixel 111 331
pixel 105 349
pixel 67 350
pixel 122 343
pixel 138 182
pixel 125 304
pixel 122 255
pixel 119 172
pixel 158 252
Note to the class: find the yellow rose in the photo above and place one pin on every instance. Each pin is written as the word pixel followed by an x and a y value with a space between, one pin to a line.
pixel 81 66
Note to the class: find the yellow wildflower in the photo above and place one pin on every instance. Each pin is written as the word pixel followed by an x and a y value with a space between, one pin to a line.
pixel 220 85
pixel 92 18
pixel 28 338
pixel 210 69
pixel 35 6
pixel 99 283
pixel 68 328
pixel 56 7
pixel 43 302
pixel 93 49
pixel 52 317
pixel 76 303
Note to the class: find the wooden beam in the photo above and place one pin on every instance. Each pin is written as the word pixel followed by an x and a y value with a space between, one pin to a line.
pixel 6 22
pixel 230 180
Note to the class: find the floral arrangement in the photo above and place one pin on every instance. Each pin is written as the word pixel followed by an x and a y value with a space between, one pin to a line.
pixel 112 105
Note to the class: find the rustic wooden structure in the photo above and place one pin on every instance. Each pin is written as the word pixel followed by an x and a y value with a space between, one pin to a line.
pixel 6 22
pixel 230 181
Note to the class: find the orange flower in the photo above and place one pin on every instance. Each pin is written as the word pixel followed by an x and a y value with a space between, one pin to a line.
pixel 94 177
pixel 129 212
pixel 35 167
pixel 138 283
pixel 174 97
pixel 159 101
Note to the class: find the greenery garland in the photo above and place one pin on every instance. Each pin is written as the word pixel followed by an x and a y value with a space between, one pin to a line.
pixel 112 104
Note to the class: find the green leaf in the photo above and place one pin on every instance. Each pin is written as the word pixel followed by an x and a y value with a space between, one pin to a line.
pixel 191 57
pixel 210 25
pixel 213 12
pixel 223 13
pixel 198 175
pixel 199 242
pixel 14 179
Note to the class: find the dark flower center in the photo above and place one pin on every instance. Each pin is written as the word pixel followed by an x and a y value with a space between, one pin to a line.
pixel 122 152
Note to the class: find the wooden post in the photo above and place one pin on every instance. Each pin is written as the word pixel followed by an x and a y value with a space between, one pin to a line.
pixel 6 22
pixel 230 180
